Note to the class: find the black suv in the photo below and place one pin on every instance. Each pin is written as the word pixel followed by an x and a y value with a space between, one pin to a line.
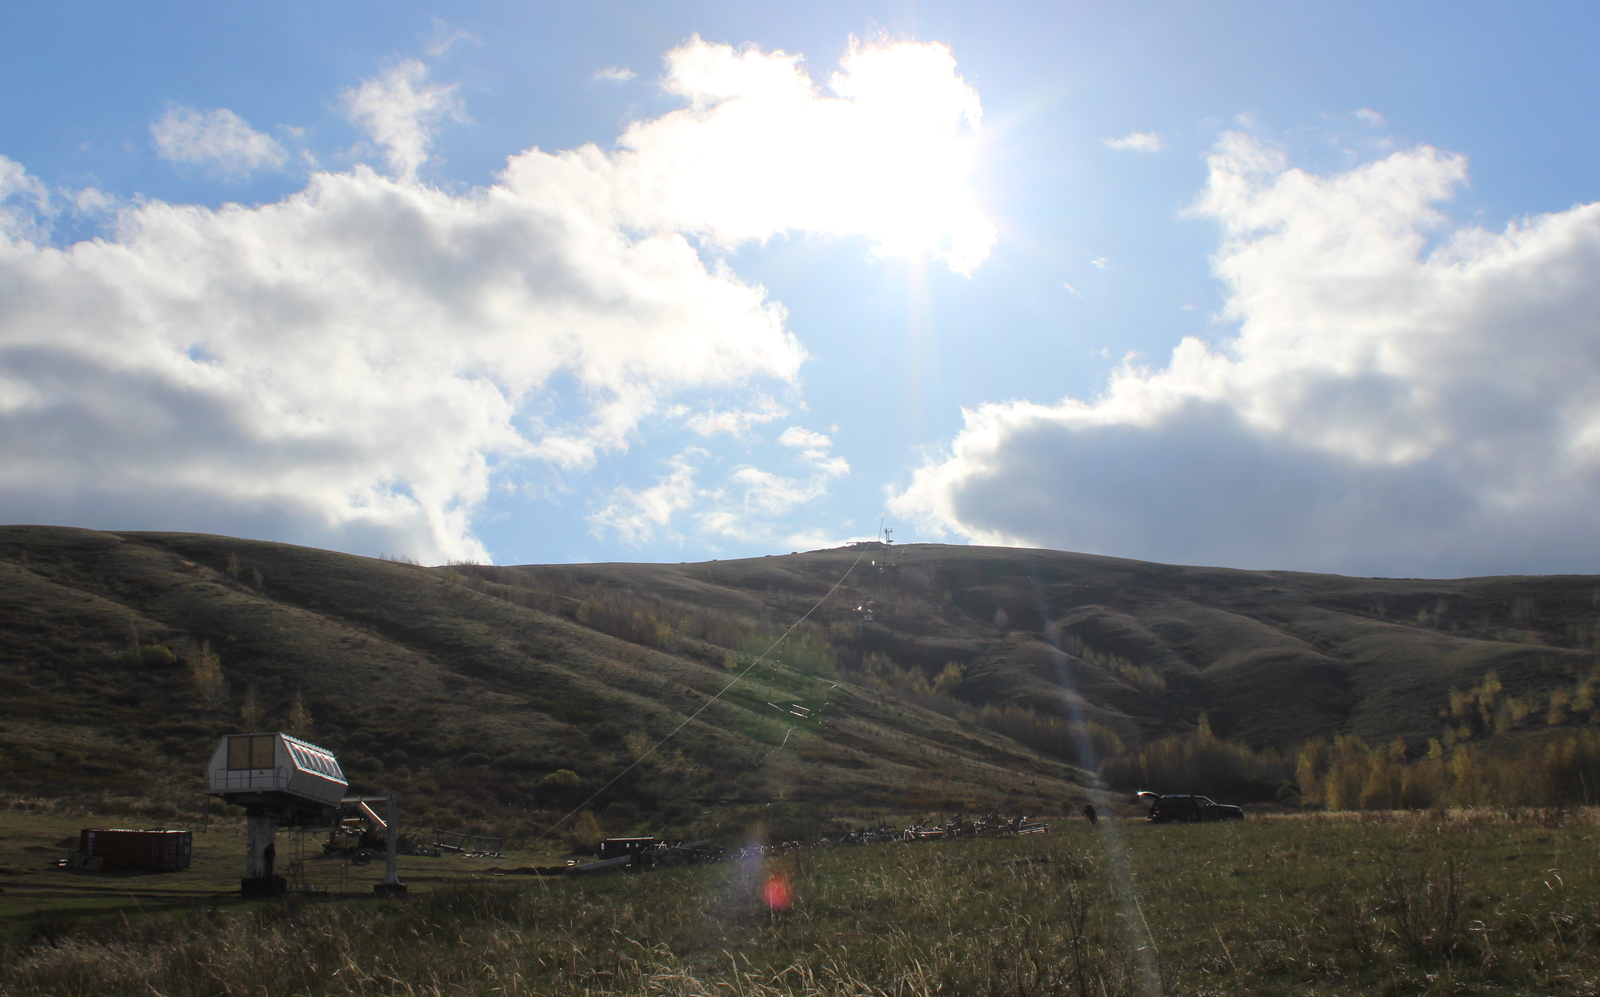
pixel 1183 807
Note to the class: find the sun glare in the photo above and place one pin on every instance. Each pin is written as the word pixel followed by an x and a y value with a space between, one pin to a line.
pixel 762 150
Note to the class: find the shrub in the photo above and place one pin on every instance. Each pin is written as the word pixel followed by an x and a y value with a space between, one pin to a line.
pixel 586 833
pixel 205 672
pixel 560 781
pixel 149 656
pixel 519 761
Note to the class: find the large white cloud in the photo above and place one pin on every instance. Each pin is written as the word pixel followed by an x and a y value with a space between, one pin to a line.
pixel 349 365
pixel 1403 395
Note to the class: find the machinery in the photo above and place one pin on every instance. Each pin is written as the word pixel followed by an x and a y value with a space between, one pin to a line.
pixel 362 834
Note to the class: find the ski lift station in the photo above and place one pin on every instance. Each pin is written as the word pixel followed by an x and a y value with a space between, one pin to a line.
pixel 280 781
pixel 291 779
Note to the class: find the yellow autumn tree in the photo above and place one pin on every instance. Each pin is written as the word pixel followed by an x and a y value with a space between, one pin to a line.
pixel 1386 771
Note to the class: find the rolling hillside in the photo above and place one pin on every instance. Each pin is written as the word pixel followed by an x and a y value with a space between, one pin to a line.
pixel 467 686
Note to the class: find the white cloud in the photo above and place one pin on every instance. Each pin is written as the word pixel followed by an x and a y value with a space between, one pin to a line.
pixel 1402 396
pixel 796 436
pixel 823 539
pixel 1371 117
pixel 773 494
pixel 616 74
pixel 442 37
pixel 399 111
pixel 351 360
pixel 351 366
pixel 735 422
pixel 761 151
pixel 635 516
pixel 748 506
pixel 1136 142
pixel 218 140
pixel 25 204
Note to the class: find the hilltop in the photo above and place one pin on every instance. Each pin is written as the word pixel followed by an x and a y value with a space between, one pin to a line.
pixel 933 678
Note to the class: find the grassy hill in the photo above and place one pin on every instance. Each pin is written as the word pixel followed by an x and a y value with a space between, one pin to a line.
pixel 932 678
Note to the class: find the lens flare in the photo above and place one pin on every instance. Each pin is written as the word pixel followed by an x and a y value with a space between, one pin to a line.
pixel 1111 837
pixel 777 892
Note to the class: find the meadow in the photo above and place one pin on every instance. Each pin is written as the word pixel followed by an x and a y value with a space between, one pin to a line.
pixel 1459 902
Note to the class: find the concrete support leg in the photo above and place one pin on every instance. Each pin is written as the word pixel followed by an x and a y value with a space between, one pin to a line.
pixel 391 885
pixel 260 842
pixel 261 856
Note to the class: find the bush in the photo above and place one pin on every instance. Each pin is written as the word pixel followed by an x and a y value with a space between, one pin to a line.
pixel 361 763
pixel 149 656
pixel 519 761
pixel 560 781
pixel 586 833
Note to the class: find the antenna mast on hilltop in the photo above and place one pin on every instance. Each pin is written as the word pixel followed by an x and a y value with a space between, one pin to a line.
pixel 885 537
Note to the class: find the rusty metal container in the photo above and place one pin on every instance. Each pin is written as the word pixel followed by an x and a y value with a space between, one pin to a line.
pixel 152 851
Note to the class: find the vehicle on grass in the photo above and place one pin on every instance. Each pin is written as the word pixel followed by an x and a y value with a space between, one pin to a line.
pixel 1187 808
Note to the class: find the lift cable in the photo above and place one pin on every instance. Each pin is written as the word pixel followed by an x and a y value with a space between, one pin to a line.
pixel 690 718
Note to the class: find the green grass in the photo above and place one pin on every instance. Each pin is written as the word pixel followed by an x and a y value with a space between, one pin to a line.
pixel 1475 903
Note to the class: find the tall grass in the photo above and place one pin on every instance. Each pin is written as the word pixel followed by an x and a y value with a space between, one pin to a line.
pixel 870 921
pixel 1481 903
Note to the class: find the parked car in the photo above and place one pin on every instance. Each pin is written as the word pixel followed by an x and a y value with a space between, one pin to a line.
pixel 1189 808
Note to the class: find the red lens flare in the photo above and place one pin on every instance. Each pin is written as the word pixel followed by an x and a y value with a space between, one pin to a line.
pixel 777 892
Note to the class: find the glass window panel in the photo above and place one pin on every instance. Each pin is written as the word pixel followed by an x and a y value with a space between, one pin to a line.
pixel 261 751
pixel 238 752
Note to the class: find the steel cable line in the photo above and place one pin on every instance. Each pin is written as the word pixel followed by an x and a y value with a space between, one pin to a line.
pixel 703 706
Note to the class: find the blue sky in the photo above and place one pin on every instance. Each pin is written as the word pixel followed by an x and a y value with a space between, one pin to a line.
pixel 267 273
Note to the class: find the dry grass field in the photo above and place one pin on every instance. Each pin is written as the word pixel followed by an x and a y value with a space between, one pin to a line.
pixel 1474 902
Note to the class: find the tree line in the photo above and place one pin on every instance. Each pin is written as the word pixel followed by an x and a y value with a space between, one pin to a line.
pixel 1346 773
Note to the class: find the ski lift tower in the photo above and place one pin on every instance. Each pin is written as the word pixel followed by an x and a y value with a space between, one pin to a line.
pixel 281 781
